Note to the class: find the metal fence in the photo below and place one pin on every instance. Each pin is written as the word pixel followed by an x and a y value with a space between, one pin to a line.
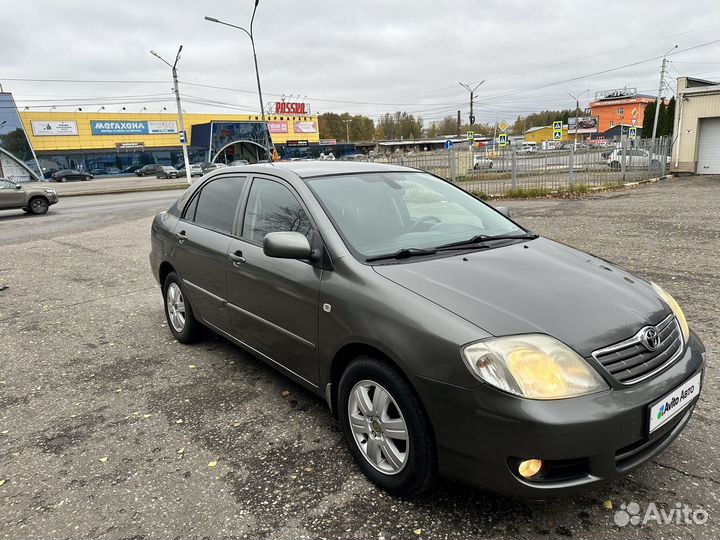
pixel 496 173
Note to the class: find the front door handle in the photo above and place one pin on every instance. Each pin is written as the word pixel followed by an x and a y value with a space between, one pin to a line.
pixel 181 236
pixel 237 257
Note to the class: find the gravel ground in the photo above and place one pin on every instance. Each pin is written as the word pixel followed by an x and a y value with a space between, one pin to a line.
pixel 111 429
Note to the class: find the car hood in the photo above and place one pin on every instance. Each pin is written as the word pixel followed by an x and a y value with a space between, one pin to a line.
pixel 539 286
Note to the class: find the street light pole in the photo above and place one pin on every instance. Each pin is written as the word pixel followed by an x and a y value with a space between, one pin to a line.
pixel 657 103
pixel 347 129
pixel 577 115
pixel 257 72
pixel 183 135
pixel 472 97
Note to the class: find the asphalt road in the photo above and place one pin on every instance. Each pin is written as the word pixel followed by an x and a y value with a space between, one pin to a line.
pixel 111 429
pixel 75 214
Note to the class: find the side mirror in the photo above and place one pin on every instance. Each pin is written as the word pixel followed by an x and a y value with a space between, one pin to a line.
pixel 287 245
pixel 504 210
pixel 18 186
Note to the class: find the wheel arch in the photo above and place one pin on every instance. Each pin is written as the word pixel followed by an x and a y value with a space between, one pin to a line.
pixel 163 271
pixel 346 354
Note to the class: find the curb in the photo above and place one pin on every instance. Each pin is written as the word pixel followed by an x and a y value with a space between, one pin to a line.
pixel 648 181
pixel 169 187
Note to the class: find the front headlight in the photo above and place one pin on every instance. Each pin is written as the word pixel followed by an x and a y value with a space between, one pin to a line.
pixel 676 309
pixel 533 366
pixel 51 191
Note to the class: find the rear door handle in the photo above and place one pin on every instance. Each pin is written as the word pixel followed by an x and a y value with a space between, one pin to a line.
pixel 181 236
pixel 237 257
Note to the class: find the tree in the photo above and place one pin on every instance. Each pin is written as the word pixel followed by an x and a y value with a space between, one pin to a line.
pixel 446 126
pixel 400 125
pixel 666 119
pixel 332 126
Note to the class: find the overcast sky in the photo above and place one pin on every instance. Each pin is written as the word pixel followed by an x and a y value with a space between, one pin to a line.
pixel 366 57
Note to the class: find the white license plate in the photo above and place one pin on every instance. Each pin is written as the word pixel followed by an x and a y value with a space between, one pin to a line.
pixel 674 402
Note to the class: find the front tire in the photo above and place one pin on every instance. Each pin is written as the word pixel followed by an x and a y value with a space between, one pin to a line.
pixel 38 205
pixel 178 311
pixel 385 428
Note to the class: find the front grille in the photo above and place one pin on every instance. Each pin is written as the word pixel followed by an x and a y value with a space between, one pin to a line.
pixel 630 361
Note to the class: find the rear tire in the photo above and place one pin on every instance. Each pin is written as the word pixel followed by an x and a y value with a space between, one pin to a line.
pixel 178 311
pixel 38 205
pixel 385 427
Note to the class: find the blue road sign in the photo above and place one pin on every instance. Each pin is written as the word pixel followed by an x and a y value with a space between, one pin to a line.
pixel 632 133
pixel 448 144
pixel 503 139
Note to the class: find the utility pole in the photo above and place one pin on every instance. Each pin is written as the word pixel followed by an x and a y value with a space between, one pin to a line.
pixel 472 97
pixel 577 115
pixel 660 89
pixel 183 135
pixel 459 123
pixel 347 129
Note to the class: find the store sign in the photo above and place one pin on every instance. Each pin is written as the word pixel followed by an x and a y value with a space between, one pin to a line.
pixel 305 127
pixel 109 127
pixel 278 127
pixel 289 107
pixel 328 142
pixel 297 143
pixel 135 146
pixel 583 124
pixel 61 128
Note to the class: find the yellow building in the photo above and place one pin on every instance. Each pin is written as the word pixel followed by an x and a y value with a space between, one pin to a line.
pixel 545 133
pixel 102 141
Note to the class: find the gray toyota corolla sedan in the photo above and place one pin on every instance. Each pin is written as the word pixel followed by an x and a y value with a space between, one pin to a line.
pixel 448 339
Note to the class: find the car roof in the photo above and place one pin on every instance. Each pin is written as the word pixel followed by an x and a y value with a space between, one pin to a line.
pixel 309 169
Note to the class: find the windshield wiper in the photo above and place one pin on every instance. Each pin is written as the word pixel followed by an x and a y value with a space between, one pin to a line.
pixel 484 238
pixel 403 254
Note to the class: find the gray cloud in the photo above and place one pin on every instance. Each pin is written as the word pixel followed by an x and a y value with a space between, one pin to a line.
pixel 365 57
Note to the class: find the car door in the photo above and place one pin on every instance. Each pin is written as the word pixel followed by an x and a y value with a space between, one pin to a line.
pixel 202 240
pixel 274 302
pixel 10 196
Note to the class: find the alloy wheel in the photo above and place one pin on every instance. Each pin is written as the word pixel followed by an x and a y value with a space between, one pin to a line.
pixel 378 427
pixel 175 306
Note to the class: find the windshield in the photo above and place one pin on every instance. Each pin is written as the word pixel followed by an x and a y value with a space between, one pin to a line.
pixel 382 213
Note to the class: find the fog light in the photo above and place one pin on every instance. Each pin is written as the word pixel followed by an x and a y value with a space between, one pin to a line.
pixel 530 467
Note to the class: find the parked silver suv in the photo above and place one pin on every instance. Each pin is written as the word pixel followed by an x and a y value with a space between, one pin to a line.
pixel 31 198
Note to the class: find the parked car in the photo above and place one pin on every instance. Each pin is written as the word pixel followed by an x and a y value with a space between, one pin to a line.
pixel 634 158
pixel 444 336
pixel 195 170
pixel 148 170
pixel 98 171
pixel 167 171
pixel 68 175
pixel 31 198
pixel 239 162
pixel 482 162
pixel 112 170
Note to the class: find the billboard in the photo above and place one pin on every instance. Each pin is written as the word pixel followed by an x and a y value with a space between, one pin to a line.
pixel 583 124
pixel 289 107
pixel 111 127
pixel 278 127
pixel 54 128
pixel 305 127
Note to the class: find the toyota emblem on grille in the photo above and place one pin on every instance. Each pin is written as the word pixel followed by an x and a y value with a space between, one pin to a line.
pixel 650 338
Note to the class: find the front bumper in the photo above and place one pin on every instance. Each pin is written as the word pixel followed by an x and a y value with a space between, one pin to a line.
pixel 482 433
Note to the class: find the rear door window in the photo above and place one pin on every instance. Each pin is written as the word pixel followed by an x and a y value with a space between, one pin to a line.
pixel 215 207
